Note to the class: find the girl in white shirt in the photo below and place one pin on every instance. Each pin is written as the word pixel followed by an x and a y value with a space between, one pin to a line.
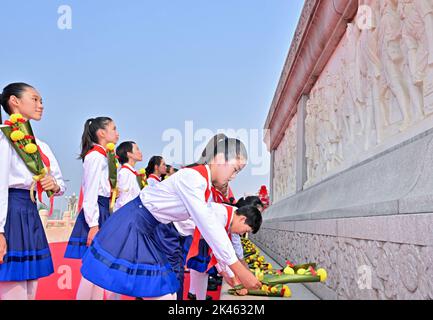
pixel 125 256
pixel 95 195
pixel 155 169
pixel 129 181
pixel 24 252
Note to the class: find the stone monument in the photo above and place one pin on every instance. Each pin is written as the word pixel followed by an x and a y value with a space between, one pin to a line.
pixel 350 131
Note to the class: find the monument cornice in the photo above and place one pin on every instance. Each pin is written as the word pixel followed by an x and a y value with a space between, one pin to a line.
pixel 320 28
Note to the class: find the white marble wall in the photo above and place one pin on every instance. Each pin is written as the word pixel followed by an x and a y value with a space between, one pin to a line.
pixel 366 257
pixel 284 178
pixel 375 92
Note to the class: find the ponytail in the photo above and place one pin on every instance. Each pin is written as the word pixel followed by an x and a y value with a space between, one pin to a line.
pixel 90 136
pixel 1 103
pixel 154 161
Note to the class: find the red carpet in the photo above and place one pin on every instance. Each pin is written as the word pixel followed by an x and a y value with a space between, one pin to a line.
pixel 63 283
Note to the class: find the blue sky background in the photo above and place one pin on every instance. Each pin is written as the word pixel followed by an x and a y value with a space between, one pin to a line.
pixel 150 65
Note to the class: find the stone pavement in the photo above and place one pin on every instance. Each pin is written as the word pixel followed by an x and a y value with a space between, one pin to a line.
pixel 299 291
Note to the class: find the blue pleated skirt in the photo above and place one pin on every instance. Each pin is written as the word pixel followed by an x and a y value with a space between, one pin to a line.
pixel 28 255
pixel 171 245
pixel 77 245
pixel 201 261
pixel 126 255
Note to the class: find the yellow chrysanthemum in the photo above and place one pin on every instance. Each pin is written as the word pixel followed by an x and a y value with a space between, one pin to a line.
pixel 15 117
pixel 288 270
pixel 142 171
pixel 287 291
pixel 322 274
pixel 17 135
pixel 110 146
pixel 301 271
pixel 269 266
pixel 265 288
pixel 30 148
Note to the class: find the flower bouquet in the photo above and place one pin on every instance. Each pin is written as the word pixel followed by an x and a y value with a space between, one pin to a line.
pixel 19 133
pixel 113 165
pixel 142 178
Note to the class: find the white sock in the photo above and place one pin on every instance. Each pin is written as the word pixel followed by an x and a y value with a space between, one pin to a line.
pixel 13 290
pixel 198 282
pixel 112 295
pixel 32 287
pixel 89 291
pixel 170 296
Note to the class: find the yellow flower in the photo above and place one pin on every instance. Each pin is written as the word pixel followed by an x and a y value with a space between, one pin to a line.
pixel 301 271
pixel 17 135
pixel 265 288
pixel 261 276
pixel 142 171
pixel 15 117
pixel 110 146
pixel 269 266
pixel 322 274
pixel 287 291
pixel 274 290
pixel 117 165
pixel 288 270
pixel 30 148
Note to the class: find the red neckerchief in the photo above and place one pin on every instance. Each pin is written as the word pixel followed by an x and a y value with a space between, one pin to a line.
pixel 194 249
pixel 47 164
pixel 95 148
pixel 154 177
pixel 133 171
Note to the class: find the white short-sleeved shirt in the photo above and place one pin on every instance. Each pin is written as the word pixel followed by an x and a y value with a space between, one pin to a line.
pixel 95 183
pixel 127 184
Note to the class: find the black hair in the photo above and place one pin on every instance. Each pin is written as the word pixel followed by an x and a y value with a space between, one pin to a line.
pixel 123 149
pixel 14 89
pixel 154 161
pixel 249 201
pixel 89 137
pixel 253 215
pixel 231 148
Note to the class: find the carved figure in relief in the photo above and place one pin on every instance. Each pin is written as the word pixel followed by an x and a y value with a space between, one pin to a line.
pixel 415 41
pixel 371 69
pixel 311 152
pixel 353 73
pixel 348 103
pixel 392 57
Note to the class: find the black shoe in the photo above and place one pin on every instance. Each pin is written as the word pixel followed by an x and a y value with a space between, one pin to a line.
pixel 215 280
pixel 193 297
pixel 212 287
pixel 212 281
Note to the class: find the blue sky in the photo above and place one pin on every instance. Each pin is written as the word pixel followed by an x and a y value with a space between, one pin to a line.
pixel 151 66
